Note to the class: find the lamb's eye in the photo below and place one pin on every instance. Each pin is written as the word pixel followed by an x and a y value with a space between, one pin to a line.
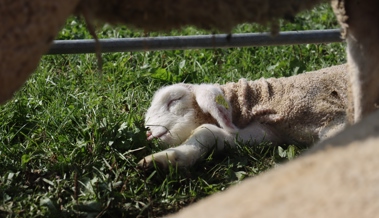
pixel 172 102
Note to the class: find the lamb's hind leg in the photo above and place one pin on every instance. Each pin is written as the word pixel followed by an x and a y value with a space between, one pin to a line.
pixel 203 140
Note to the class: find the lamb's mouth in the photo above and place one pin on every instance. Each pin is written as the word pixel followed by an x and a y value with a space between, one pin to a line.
pixel 150 135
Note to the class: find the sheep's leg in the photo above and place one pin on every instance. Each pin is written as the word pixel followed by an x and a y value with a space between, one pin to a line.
pixel 202 141
pixel 361 20
pixel 363 55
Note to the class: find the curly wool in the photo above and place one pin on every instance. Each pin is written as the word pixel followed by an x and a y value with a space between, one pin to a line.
pixel 305 108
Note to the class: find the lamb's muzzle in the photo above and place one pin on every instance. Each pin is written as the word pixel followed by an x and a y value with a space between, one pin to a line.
pixel 149 135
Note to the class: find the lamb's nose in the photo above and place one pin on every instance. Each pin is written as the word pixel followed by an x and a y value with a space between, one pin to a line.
pixel 148 135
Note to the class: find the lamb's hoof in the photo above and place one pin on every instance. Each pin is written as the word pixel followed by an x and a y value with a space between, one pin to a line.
pixel 150 163
pixel 161 160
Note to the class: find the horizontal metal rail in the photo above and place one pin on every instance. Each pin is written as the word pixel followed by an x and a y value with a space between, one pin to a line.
pixel 195 42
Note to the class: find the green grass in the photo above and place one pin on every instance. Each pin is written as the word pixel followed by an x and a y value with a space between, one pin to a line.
pixel 71 137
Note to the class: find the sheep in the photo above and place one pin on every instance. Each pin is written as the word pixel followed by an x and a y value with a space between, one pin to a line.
pixel 359 22
pixel 28 30
pixel 338 177
pixel 28 35
pixel 301 109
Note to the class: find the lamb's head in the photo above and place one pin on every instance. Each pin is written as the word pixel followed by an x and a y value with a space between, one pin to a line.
pixel 171 116
pixel 178 109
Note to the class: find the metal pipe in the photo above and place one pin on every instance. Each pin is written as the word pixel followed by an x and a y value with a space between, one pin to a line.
pixel 195 42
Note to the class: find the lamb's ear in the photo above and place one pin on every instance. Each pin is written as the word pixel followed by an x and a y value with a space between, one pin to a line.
pixel 211 100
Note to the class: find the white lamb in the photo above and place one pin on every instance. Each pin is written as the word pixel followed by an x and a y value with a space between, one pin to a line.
pixel 300 109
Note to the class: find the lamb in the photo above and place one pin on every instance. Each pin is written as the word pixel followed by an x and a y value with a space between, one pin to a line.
pixel 301 109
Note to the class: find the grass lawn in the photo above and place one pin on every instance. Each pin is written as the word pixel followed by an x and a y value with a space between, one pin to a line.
pixel 71 137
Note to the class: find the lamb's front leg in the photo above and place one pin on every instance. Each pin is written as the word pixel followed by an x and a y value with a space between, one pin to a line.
pixel 203 139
